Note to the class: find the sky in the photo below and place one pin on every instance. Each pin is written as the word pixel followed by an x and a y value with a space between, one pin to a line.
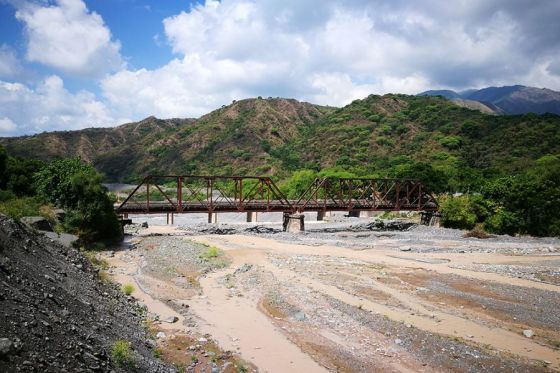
pixel 72 64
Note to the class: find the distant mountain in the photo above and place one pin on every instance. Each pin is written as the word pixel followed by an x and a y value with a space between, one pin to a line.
pixel 515 99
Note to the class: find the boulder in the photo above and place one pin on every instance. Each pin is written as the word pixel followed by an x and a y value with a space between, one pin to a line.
pixel 37 222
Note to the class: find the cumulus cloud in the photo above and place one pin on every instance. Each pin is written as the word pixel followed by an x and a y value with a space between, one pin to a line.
pixel 332 52
pixel 49 107
pixel 67 36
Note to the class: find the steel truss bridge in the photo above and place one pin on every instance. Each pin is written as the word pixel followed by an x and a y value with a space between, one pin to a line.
pixel 214 194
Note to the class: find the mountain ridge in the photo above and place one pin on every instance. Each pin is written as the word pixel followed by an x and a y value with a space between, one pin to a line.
pixel 377 135
pixel 516 99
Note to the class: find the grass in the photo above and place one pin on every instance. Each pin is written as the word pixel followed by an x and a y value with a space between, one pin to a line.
pixel 17 208
pixel 128 289
pixel 210 252
pixel 121 353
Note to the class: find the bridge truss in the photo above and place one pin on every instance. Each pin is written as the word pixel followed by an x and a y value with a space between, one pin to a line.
pixel 213 194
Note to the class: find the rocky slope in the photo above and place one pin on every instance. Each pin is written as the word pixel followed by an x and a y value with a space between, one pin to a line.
pixel 55 313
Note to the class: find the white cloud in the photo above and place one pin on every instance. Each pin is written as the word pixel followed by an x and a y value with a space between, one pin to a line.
pixel 49 107
pixel 69 37
pixel 6 125
pixel 9 63
pixel 326 52
pixel 331 52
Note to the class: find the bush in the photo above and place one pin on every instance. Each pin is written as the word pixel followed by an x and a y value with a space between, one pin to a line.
pixel 456 212
pixel 76 187
pixel 210 252
pixel 128 289
pixel 122 354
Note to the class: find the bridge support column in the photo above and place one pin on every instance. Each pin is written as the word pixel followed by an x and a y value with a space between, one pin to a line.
pixel 320 215
pixel 294 222
pixel 212 218
pixel 251 217
pixel 354 214
pixel 170 218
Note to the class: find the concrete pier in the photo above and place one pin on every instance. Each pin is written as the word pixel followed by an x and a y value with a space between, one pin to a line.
pixel 212 218
pixel 251 217
pixel 320 215
pixel 354 214
pixel 170 218
pixel 294 222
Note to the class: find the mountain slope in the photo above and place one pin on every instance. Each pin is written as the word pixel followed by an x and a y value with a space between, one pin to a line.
pixel 516 99
pixel 373 136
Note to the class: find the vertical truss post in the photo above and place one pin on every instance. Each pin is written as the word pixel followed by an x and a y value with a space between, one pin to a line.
pixel 398 191
pixel 179 194
pixel 148 193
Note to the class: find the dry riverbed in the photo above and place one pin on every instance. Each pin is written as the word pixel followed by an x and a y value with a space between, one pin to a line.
pixel 343 297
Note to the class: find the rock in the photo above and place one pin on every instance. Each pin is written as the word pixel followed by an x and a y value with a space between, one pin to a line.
pixel 160 335
pixel 37 222
pixel 300 316
pixel 398 341
pixel 144 224
pixel 6 347
pixel 202 340
pixel 528 333
pixel 171 319
pixel 405 249
pixel 244 268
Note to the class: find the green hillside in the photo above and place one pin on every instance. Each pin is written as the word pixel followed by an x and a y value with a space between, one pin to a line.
pixel 391 135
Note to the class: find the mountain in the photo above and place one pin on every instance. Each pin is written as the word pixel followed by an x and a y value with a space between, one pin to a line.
pixel 516 99
pixel 378 135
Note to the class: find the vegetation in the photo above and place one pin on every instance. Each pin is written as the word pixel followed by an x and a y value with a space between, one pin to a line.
pixel 128 289
pixel 502 167
pixel 121 354
pixel 76 187
pixel 210 252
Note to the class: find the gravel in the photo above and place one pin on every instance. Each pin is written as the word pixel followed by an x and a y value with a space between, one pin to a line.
pixel 55 313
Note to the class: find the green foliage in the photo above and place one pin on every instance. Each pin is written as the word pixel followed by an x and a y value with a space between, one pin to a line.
pixel 128 289
pixel 17 208
pixel 122 354
pixel 450 142
pixel 76 187
pixel 296 185
pixel 456 212
pixel 210 252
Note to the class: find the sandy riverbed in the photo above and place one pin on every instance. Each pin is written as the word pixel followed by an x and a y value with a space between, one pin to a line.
pixel 347 301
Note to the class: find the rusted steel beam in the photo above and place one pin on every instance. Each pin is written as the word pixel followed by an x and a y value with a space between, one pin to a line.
pixel 227 194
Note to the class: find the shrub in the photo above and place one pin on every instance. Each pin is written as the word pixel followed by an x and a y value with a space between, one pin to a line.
pixel 76 187
pixel 128 289
pixel 456 212
pixel 122 354
pixel 210 252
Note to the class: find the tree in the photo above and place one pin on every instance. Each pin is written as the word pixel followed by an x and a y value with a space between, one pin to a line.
pixel 76 186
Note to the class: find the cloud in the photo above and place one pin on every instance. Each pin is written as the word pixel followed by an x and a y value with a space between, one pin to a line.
pixel 10 66
pixel 49 107
pixel 332 52
pixel 325 52
pixel 68 37
pixel 6 125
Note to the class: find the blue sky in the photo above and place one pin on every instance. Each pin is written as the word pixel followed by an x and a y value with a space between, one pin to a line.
pixel 70 64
